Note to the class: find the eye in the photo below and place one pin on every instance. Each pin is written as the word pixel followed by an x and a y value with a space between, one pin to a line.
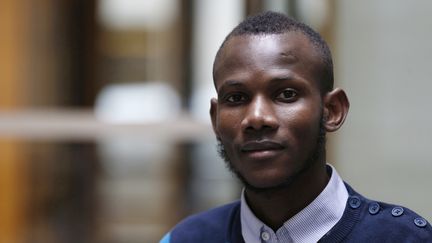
pixel 236 98
pixel 287 95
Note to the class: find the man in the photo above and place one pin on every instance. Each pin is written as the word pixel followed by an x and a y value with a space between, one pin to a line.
pixel 276 101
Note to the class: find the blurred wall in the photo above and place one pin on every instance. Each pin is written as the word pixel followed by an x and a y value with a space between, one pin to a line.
pixel 61 53
pixel 383 60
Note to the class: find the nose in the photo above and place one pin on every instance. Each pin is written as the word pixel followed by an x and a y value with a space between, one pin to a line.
pixel 260 115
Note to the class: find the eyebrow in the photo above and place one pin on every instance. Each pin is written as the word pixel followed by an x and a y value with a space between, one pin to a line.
pixel 272 82
pixel 286 78
pixel 230 83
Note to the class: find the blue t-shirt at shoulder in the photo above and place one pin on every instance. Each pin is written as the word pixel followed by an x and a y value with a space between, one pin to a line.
pixel 166 238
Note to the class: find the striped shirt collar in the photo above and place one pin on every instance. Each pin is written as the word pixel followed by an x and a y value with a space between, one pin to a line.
pixel 308 225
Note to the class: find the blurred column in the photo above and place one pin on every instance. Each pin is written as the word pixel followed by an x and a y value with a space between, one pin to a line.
pixel 143 66
pixel 213 20
pixel 12 173
pixel 210 183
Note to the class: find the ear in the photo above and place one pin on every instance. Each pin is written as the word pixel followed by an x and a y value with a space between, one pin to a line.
pixel 336 106
pixel 213 115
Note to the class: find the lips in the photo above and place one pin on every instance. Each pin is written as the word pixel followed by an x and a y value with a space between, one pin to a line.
pixel 260 145
pixel 259 150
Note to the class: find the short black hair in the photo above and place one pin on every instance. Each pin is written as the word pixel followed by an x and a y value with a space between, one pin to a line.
pixel 277 23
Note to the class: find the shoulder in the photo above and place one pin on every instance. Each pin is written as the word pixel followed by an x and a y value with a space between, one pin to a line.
pixel 379 221
pixel 209 226
pixel 394 222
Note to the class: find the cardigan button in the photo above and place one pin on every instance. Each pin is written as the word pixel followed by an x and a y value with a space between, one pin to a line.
pixel 354 202
pixel 420 222
pixel 374 208
pixel 397 211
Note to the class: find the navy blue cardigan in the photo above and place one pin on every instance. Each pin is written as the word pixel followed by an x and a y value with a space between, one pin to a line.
pixel 363 220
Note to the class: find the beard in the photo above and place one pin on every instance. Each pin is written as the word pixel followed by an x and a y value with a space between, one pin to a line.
pixel 317 153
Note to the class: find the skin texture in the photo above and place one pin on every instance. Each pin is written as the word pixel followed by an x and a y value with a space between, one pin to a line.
pixel 267 117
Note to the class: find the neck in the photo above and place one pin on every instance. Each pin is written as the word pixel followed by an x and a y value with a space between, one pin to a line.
pixel 275 207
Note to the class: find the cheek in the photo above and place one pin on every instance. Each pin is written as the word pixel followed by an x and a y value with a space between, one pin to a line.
pixel 302 123
pixel 228 123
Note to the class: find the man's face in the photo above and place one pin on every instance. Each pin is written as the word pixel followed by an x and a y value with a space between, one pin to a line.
pixel 268 112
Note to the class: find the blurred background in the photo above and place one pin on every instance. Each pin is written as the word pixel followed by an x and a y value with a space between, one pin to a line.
pixel 104 127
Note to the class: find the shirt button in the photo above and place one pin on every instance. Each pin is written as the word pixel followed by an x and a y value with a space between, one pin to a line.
pixel 374 208
pixel 397 211
pixel 265 236
pixel 420 222
pixel 354 202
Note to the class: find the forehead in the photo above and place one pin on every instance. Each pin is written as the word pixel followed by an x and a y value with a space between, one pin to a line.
pixel 291 51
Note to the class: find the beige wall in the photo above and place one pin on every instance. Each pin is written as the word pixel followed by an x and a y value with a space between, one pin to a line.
pixel 383 60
